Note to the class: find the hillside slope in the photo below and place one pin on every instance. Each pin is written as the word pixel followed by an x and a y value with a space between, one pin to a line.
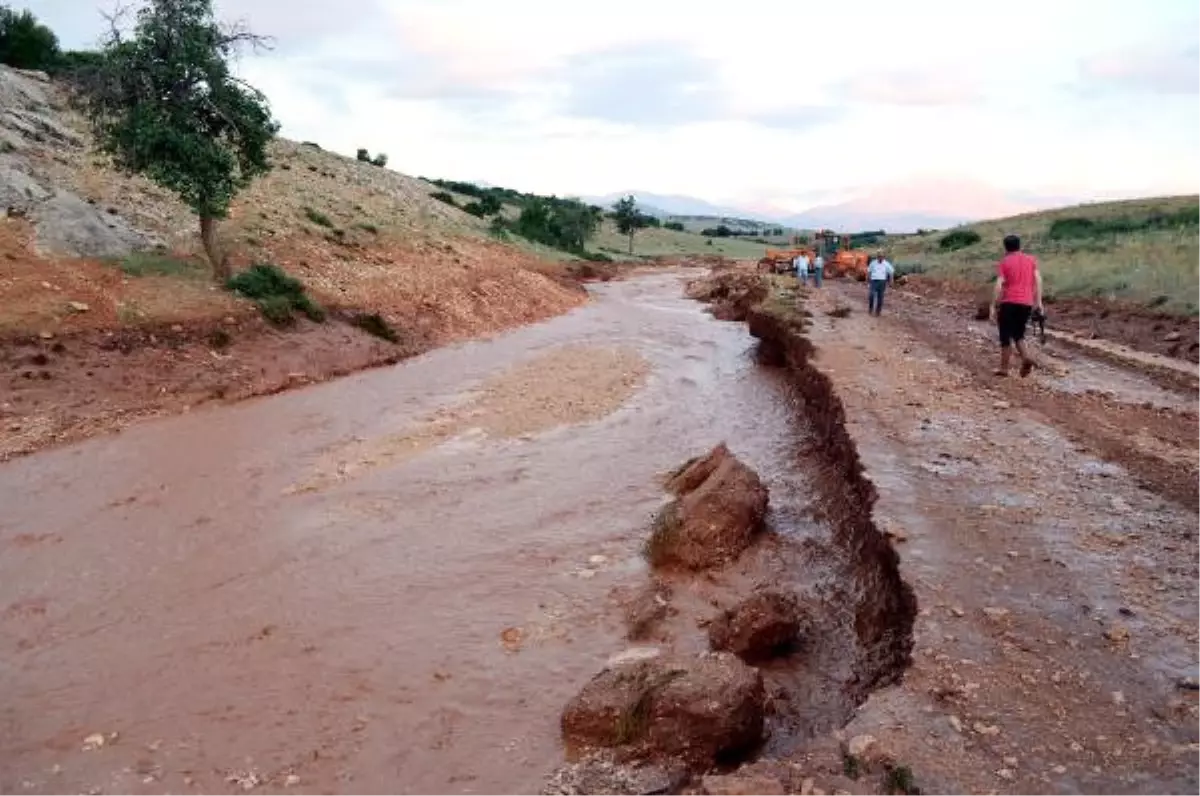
pixel 108 313
pixel 357 235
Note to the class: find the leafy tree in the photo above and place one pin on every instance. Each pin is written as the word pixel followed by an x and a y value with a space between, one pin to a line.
pixel 25 43
pixel 380 160
pixel 629 219
pixel 364 156
pixel 163 103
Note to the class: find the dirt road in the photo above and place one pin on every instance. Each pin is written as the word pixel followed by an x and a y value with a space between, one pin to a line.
pixel 394 582
pixel 1049 529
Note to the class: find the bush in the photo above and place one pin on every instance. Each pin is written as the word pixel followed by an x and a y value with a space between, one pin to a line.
pixel 675 225
pixel 907 269
pixel 318 218
pixel 374 230
pixel 1075 227
pixel 25 43
pixel 363 156
pixel 375 324
pixel 379 160
pixel 596 257
pixel 444 196
pixel 276 293
pixel 959 239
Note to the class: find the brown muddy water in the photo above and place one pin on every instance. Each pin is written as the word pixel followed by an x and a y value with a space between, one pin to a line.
pixel 388 583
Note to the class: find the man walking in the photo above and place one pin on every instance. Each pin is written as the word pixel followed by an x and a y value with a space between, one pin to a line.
pixel 1018 290
pixel 801 264
pixel 879 274
pixel 818 269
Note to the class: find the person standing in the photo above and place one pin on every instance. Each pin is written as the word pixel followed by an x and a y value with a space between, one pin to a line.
pixel 879 274
pixel 818 269
pixel 801 264
pixel 1018 291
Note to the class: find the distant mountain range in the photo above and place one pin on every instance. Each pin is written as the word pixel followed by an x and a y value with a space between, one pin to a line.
pixel 906 206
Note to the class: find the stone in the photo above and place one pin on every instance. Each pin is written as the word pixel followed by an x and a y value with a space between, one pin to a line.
pixel 601 774
pixel 78 306
pixel 1171 337
pixel 760 627
pixel 720 507
pixel 741 785
pixel 1117 633
pixel 697 708
pixel 633 655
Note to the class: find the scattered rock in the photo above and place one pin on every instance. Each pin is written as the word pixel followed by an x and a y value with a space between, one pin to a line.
pixel 94 741
pixel 46 335
pixel 696 708
pixel 956 723
pixel 633 655
pixel 1117 633
pixel 1001 405
pixel 720 508
pixel 602 774
pixel 291 781
pixel 995 614
pixel 869 752
pixel 511 638
pixel 1171 337
pixel 1118 697
pixel 1005 773
pixel 1120 505
pixel 78 306
pixel 985 729
pixel 859 745
pixel 740 785
pixel 957 611
pixel 761 626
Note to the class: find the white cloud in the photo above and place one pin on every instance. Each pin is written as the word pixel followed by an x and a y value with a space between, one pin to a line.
pixel 761 101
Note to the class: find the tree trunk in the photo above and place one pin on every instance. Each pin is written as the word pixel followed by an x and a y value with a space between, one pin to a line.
pixel 630 244
pixel 208 239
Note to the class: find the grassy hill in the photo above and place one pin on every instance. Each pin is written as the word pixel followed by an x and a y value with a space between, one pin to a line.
pixel 1144 251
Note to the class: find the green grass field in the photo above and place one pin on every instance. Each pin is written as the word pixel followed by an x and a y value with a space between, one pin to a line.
pixel 1145 250
pixel 653 242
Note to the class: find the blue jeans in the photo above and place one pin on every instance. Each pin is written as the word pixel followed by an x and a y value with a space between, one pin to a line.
pixel 802 276
pixel 875 295
pixel 818 274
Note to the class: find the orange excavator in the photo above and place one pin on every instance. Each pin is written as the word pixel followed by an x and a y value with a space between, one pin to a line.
pixel 840 259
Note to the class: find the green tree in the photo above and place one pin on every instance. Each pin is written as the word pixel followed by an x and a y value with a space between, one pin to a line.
pixel 629 219
pixel 25 43
pixel 163 103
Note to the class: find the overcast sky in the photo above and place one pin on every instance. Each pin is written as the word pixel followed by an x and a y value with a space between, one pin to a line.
pixel 767 104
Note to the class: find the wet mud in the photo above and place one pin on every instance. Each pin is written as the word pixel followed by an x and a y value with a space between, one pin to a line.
pixel 178 615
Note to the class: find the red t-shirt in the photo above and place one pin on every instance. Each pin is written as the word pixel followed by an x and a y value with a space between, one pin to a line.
pixel 1019 272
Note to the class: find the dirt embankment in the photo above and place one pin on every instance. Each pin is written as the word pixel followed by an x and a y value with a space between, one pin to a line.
pixel 885 606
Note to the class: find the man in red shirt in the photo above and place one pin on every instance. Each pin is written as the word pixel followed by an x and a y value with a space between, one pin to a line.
pixel 1018 291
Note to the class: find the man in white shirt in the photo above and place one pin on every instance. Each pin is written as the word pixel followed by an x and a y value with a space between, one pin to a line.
pixel 879 273
pixel 818 269
pixel 801 263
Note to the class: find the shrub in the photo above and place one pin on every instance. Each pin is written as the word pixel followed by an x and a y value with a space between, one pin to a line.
pixel 596 257
pixel 363 156
pixel 675 225
pixel 139 264
pixel 375 324
pixel 25 43
pixel 374 230
pixel 444 196
pixel 958 239
pixel 1080 227
pixel 318 218
pixel 907 269
pixel 379 160
pixel 276 293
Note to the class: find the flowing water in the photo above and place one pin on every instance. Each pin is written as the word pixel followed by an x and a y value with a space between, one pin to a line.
pixel 391 582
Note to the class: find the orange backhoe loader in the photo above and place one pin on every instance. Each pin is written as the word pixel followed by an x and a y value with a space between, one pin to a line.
pixel 840 259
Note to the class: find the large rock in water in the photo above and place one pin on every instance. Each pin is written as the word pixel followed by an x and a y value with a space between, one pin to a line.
pixel 759 627
pixel 720 506
pixel 696 709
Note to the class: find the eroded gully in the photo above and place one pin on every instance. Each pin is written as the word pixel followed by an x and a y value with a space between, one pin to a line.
pixel 391 582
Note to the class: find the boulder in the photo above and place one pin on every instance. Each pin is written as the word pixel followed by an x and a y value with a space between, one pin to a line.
pixel 696 709
pixel 645 609
pixel 759 627
pixel 720 507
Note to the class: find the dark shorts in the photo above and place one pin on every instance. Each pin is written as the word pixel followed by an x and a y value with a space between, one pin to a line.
pixel 1012 320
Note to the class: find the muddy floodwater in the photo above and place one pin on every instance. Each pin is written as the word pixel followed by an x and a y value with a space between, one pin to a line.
pixel 388 583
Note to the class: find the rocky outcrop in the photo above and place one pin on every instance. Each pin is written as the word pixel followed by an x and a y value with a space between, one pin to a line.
pixel 30 121
pixel 762 626
pixel 601 773
pixel 696 710
pixel 720 507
